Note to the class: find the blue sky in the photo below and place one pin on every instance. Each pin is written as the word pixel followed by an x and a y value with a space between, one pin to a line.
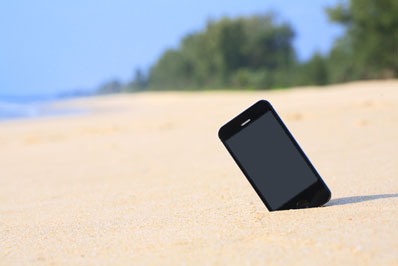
pixel 51 46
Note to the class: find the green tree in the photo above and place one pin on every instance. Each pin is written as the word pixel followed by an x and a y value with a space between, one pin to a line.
pixel 256 52
pixel 139 81
pixel 240 52
pixel 112 86
pixel 313 72
pixel 172 71
pixel 371 41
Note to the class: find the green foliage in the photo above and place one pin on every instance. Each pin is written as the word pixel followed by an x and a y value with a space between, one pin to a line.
pixel 139 82
pixel 256 52
pixel 171 71
pixel 241 52
pixel 340 62
pixel 113 86
pixel 313 72
pixel 371 41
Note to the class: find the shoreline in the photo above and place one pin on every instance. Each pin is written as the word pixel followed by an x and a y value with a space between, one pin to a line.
pixel 22 108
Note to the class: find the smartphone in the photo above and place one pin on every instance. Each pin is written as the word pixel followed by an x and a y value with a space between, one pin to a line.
pixel 272 160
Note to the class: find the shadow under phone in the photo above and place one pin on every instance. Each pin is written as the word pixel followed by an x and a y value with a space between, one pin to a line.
pixel 358 199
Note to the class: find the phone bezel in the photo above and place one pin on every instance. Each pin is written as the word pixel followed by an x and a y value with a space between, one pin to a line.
pixel 315 195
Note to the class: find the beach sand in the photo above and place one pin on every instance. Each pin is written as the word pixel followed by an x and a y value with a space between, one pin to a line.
pixel 143 179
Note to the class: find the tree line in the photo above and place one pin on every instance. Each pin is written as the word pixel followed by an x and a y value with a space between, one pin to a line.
pixel 256 52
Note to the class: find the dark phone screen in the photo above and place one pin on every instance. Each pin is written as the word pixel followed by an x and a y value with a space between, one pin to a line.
pixel 271 160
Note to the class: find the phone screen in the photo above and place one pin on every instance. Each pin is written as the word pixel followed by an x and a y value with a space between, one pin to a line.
pixel 271 160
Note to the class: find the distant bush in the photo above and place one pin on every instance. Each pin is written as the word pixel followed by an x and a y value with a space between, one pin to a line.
pixel 113 86
pixel 237 52
pixel 369 49
pixel 256 52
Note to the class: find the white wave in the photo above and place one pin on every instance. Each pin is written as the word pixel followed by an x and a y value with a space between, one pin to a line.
pixel 18 110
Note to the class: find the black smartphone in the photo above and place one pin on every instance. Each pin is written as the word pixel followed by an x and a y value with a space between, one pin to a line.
pixel 272 160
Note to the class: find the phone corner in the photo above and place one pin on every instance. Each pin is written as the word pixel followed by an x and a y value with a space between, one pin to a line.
pixel 264 101
pixel 220 133
pixel 264 104
pixel 329 195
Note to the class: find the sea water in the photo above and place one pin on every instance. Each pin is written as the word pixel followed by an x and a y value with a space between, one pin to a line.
pixel 13 107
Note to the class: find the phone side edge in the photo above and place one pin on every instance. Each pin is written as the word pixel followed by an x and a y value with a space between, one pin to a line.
pixel 301 151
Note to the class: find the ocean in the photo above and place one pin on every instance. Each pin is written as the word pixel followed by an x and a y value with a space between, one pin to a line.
pixel 15 107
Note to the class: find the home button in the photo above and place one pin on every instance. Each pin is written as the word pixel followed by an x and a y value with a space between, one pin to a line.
pixel 302 204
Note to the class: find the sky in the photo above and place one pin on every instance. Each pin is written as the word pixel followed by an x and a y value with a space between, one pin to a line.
pixel 48 47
